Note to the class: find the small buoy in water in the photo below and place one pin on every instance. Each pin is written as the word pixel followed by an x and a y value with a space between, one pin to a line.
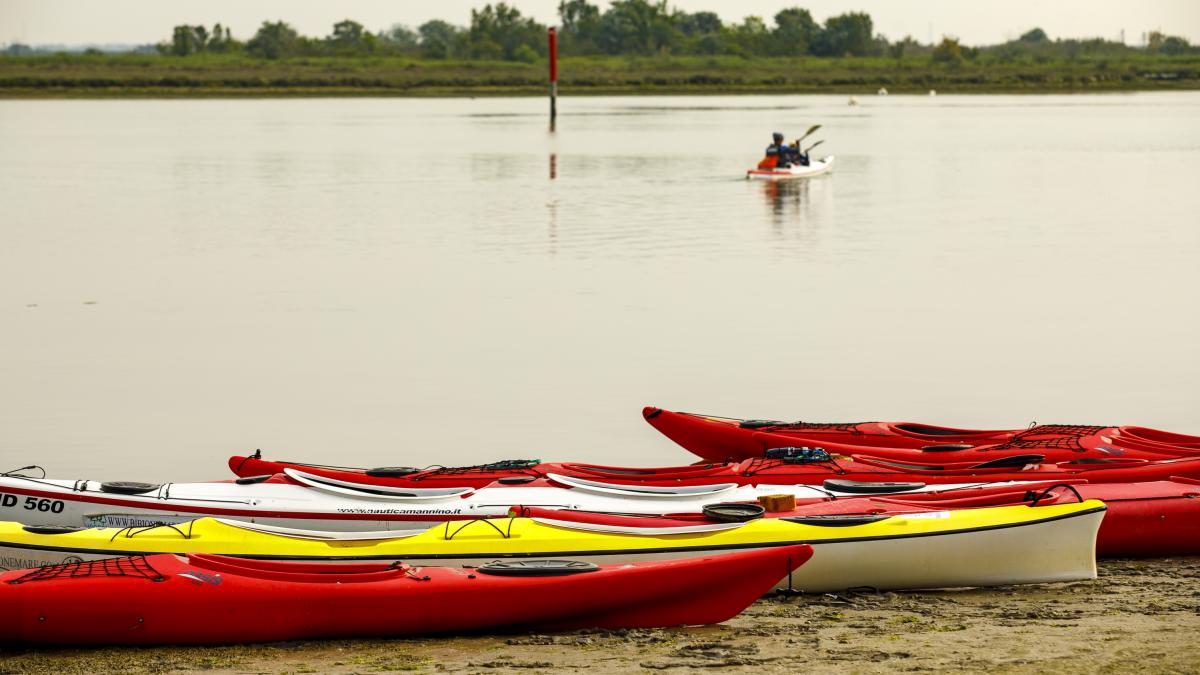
pixel 853 100
pixel 933 92
pixel 882 91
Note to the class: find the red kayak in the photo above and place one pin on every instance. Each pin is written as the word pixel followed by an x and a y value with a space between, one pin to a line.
pixel 170 599
pixel 806 467
pixel 728 439
pixel 1158 518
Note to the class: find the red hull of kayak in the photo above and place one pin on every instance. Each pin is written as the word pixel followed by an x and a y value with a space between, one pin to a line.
pixel 723 439
pixel 1157 518
pixel 768 472
pixel 168 599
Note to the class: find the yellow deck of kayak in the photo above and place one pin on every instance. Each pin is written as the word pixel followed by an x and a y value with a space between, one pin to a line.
pixel 519 537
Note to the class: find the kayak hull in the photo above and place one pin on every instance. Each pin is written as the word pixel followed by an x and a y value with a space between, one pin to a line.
pixel 169 599
pixel 974 547
pixel 726 439
pixel 282 502
pixel 1147 519
pixel 816 168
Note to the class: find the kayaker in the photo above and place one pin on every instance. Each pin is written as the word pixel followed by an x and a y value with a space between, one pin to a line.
pixel 781 155
pixel 777 153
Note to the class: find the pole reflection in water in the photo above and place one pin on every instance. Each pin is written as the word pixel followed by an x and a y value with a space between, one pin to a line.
pixel 552 204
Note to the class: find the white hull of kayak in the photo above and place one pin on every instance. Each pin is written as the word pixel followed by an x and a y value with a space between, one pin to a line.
pixel 1038 551
pixel 309 504
pixel 815 168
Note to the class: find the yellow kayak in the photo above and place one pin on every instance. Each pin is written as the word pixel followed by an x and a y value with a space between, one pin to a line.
pixel 969 547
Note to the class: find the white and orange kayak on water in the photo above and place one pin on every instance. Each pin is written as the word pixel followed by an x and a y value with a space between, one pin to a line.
pixel 815 167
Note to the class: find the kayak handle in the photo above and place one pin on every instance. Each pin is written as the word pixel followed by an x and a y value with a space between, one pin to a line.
pixel 1046 493
pixel 16 473
pixel 505 533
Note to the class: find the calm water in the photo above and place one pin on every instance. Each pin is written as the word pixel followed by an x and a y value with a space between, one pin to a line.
pixel 444 281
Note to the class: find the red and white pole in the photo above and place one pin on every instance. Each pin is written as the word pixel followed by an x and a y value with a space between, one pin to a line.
pixel 552 36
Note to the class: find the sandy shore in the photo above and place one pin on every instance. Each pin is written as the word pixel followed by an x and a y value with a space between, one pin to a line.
pixel 1138 616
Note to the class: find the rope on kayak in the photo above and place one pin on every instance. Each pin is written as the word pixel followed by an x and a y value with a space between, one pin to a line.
pixel 1046 492
pixel 1056 436
pixel 505 533
pixel 16 473
pixel 78 486
pixel 136 567
pixel 850 428
pixel 131 532
pixel 502 465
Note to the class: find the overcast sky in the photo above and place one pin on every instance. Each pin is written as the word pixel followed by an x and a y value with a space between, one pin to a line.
pixel 973 21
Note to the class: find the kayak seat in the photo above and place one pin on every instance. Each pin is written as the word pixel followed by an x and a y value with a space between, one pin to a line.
pixel 52 529
pixel 733 513
pixel 947 447
pixel 123 487
pixel 760 424
pixel 1014 461
pixel 906 465
pixel 391 471
pixel 923 430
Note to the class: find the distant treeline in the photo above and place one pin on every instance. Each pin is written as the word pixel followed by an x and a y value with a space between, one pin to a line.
pixel 500 32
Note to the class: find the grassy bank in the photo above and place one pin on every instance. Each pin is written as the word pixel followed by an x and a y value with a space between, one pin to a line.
pixel 239 75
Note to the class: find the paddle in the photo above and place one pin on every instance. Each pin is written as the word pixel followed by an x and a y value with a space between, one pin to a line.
pixel 808 133
pixel 809 149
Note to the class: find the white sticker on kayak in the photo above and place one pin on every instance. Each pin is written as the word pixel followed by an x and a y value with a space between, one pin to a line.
pixel 928 514
pixel 131 519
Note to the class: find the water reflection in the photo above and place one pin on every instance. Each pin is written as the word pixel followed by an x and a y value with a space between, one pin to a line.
pixel 785 198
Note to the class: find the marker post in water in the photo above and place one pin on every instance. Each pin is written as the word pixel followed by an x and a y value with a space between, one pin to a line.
pixel 552 37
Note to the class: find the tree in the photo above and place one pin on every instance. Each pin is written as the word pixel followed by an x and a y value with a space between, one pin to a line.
pixel 1035 36
pixel 440 40
pixel 636 27
pixel 748 38
pixel 580 26
pixel 274 40
pixel 188 40
pixel 499 31
pixel 795 31
pixel 222 40
pixel 349 37
pixel 846 35
pixel 347 33
pixel 949 51
pixel 698 24
pixel 1175 46
pixel 402 37
pixel 897 49
pixel 1170 45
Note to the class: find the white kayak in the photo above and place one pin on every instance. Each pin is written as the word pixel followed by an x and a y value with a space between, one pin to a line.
pixel 302 500
pixel 815 168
